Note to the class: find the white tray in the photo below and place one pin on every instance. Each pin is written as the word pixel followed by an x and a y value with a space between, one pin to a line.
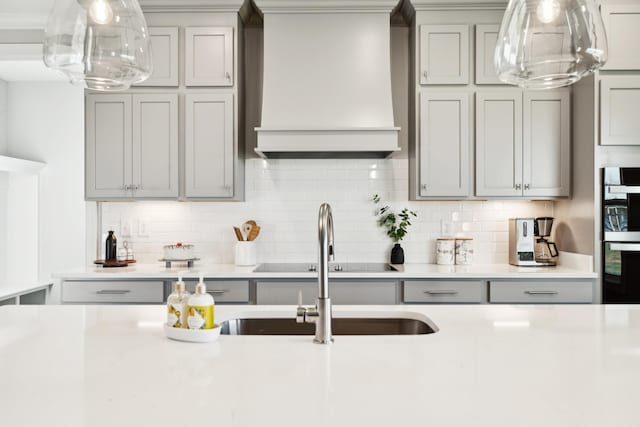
pixel 192 335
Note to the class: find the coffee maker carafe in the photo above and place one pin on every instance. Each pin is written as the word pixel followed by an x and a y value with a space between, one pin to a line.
pixel 545 250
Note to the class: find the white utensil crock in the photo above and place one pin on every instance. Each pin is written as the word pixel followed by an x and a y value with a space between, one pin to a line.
pixel 245 253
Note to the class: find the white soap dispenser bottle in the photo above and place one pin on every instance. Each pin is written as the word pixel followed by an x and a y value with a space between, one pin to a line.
pixel 201 308
pixel 177 305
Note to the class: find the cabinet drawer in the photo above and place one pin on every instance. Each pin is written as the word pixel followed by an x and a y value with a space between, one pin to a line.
pixel 225 290
pixel 113 292
pixel 541 292
pixel 443 291
pixel 352 292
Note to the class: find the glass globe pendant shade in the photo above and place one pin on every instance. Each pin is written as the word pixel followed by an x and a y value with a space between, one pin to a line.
pixel 544 44
pixel 103 43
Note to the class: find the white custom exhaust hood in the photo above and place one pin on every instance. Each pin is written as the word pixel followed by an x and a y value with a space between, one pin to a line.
pixel 327 79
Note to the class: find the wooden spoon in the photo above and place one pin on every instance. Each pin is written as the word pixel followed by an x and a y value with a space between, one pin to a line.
pixel 253 233
pixel 238 234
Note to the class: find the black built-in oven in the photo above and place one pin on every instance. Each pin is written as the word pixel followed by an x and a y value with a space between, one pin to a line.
pixel 621 229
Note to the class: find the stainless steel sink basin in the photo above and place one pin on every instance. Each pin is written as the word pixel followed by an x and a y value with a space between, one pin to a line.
pixel 340 326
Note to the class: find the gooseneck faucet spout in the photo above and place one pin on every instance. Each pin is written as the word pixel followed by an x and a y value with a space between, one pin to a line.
pixel 321 313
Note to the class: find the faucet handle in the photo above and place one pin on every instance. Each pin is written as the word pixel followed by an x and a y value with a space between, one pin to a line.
pixel 300 311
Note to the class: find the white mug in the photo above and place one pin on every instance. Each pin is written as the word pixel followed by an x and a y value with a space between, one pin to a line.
pixel 245 253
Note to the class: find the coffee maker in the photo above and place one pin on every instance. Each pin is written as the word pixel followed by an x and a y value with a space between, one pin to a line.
pixel 545 250
pixel 528 245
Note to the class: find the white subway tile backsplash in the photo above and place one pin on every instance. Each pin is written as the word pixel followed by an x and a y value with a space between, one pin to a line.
pixel 283 196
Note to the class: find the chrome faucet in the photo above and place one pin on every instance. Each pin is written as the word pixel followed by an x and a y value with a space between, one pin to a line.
pixel 321 313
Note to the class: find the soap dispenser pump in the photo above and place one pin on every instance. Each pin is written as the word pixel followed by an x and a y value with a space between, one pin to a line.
pixel 201 308
pixel 177 305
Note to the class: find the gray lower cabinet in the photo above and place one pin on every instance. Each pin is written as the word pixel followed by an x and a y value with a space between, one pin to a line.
pixel 541 291
pixel 341 292
pixel 443 291
pixel 113 292
pixel 224 291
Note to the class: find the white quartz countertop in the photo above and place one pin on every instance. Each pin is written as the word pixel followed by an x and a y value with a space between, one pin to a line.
pixel 78 366
pixel 408 271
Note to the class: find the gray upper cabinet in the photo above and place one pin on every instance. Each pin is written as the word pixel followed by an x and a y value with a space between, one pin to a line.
pixel 486 38
pixel 619 101
pixel 622 24
pixel 131 146
pixel 523 143
pixel 546 142
pixel 209 146
pixel 499 143
pixel 209 56
pixel 108 161
pixel 444 54
pixel 164 48
pixel 444 144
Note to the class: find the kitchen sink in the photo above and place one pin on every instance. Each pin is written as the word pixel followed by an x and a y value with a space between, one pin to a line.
pixel 340 326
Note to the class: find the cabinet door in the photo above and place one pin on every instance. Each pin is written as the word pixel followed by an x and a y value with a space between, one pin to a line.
pixel 164 50
pixel 444 144
pixel 444 54
pixel 209 147
pixel 619 101
pixel 354 292
pixel 155 145
pixel 286 293
pixel 622 24
pixel 486 39
pixel 108 146
pixel 546 143
pixel 209 56
pixel 499 143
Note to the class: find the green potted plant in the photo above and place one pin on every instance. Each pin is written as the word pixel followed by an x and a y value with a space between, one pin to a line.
pixel 396 225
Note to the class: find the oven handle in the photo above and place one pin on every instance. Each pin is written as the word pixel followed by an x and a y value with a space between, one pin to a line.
pixel 623 189
pixel 627 247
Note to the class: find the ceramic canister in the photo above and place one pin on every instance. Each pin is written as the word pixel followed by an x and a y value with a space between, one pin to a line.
pixel 445 251
pixel 464 251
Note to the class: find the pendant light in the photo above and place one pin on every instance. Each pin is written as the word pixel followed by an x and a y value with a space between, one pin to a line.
pixel 103 43
pixel 544 44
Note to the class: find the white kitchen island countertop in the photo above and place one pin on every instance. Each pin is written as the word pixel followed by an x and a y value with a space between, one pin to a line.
pixel 492 366
pixel 408 271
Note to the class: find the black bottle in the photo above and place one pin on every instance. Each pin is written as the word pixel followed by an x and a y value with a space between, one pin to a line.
pixel 111 249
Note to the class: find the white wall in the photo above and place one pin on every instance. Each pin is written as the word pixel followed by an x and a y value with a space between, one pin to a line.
pixel 283 196
pixel 3 183
pixel 45 123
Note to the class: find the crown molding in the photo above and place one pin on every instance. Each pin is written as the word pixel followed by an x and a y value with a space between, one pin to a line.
pixel 192 5
pixel 326 6
pixel 444 5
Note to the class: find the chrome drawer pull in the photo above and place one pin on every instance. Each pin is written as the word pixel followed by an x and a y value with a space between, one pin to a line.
pixel 441 292
pixel 218 291
pixel 113 292
pixel 627 247
pixel 541 292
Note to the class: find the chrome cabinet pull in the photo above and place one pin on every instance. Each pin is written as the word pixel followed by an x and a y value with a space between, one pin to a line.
pixel 541 292
pixel 217 291
pixel 518 187
pixel 424 186
pixel 227 75
pixel 113 291
pixel 628 247
pixel 425 74
pixel 527 186
pixel 441 292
